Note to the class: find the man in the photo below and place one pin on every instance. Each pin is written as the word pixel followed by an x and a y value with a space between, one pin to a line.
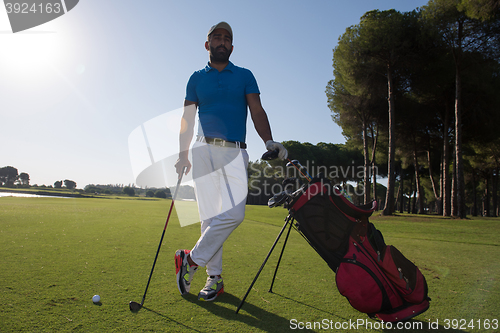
pixel 221 92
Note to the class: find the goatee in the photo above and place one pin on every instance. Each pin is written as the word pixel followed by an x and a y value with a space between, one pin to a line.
pixel 219 54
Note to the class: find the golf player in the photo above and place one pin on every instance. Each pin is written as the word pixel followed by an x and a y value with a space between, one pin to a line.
pixel 220 94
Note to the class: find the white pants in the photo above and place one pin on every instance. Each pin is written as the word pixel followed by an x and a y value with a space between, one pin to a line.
pixel 221 187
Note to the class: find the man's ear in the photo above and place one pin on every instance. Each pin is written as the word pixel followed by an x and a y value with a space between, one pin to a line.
pixel 206 46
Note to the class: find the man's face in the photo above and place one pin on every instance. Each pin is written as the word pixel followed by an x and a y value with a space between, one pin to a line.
pixel 219 45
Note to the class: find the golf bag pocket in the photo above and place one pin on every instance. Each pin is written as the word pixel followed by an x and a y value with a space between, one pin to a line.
pixel 404 275
pixel 325 228
pixel 363 283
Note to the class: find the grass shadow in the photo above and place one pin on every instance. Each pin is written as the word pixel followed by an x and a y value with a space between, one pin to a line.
pixel 249 314
pixel 308 305
pixel 188 328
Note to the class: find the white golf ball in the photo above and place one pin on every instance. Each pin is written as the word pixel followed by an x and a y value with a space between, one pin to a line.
pixel 96 298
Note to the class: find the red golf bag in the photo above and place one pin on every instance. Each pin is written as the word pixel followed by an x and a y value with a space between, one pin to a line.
pixel 376 278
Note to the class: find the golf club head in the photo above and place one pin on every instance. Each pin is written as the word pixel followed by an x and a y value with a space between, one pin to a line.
pixel 294 163
pixel 292 182
pixel 270 155
pixel 134 306
pixel 278 199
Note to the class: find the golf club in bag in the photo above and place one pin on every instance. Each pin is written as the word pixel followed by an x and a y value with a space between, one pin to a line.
pixel 377 279
pixel 134 306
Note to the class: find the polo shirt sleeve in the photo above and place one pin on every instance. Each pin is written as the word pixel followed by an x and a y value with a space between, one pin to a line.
pixel 191 89
pixel 251 85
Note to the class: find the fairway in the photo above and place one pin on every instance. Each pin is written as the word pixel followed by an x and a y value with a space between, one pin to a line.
pixel 57 253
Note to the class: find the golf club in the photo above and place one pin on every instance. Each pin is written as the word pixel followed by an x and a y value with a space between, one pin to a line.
pixel 272 154
pixel 297 164
pixel 134 306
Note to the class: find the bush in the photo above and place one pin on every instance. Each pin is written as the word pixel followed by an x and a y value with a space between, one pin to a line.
pixel 92 189
pixel 129 191
pixel 160 194
pixel 150 193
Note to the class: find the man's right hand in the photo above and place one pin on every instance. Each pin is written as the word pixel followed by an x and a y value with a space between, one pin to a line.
pixel 181 164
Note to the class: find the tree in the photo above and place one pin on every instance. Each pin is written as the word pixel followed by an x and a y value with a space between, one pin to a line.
pixel 129 191
pixel 92 189
pixel 160 194
pixel 71 185
pixel 8 175
pixel 464 26
pixel 58 184
pixel 24 179
pixel 356 98
pixel 383 40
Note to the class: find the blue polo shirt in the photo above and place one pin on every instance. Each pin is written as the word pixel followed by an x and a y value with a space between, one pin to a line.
pixel 221 99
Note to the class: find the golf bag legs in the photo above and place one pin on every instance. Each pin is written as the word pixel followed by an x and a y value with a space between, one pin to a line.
pixel 288 220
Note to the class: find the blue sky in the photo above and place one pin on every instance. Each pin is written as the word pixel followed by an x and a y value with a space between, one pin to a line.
pixel 72 91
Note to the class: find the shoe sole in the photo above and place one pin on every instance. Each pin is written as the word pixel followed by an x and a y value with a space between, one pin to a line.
pixel 211 299
pixel 179 258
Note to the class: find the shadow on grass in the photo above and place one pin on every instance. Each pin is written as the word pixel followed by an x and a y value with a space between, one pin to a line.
pixel 309 305
pixel 409 326
pixel 249 314
pixel 191 329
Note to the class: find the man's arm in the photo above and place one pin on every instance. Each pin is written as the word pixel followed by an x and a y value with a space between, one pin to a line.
pixel 185 136
pixel 259 117
pixel 261 123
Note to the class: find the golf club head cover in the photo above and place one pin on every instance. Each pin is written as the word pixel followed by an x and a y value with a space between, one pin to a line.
pixel 272 145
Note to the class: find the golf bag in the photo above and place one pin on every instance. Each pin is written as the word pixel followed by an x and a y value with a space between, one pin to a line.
pixel 375 278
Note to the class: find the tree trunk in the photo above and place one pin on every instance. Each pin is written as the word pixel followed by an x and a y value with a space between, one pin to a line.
pixel 391 177
pixel 445 174
pixel 474 194
pixel 397 197
pixel 410 192
pixel 402 194
pixel 460 183
pixel 434 187
pixel 487 195
pixel 374 169
pixel 454 206
pixel 420 194
pixel 495 192
pixel 366 175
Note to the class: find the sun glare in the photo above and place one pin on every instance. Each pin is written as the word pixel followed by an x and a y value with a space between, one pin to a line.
pixel 29 54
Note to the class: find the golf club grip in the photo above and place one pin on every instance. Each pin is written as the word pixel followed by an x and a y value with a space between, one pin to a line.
pixel 270 155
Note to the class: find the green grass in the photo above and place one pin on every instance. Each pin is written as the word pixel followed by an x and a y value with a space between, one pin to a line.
pixel 57 253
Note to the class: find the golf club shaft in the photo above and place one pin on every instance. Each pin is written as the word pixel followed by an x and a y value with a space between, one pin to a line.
pixel 163 233
pixel 296 167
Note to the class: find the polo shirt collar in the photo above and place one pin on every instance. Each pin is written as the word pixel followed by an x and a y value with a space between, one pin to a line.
pixel 229 67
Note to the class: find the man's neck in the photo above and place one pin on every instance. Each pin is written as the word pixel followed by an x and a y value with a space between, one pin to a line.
pixel 219 65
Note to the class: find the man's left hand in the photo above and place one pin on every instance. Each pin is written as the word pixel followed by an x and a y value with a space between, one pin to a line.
pixel 272 145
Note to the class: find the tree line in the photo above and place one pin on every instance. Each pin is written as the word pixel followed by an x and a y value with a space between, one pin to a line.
pixel 340 163
pixel 10 177
pixel 419 91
